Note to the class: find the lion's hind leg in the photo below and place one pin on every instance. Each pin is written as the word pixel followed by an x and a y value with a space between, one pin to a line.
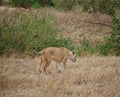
pixel 45 67
pixel 41 65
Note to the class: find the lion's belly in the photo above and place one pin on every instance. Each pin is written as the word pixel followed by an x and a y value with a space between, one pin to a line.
pixel 58 57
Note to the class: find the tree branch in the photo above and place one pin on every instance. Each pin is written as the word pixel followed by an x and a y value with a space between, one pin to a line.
pixel 102 24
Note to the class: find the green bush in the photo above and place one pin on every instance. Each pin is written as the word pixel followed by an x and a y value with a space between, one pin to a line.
pixel 64 5
pixel 2 43
pixel 86 48
pixel 19 2
pixel 36 5
pixel 103 6
pixel 111 44
pixel 32 3
pixel 22 32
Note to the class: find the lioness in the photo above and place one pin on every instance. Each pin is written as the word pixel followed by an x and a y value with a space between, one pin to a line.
pixel 59 55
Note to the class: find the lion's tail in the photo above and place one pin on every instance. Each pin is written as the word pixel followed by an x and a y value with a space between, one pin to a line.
pixel 39 53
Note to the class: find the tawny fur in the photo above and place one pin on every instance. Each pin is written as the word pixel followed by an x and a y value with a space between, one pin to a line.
pixel 59 55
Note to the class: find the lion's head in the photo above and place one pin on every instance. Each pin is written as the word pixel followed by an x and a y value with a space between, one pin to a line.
pixel 72 56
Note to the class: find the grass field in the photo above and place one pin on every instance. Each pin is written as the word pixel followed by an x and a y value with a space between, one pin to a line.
pixel 88 77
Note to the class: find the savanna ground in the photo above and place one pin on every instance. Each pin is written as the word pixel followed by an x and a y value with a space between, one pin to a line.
pixel 90 76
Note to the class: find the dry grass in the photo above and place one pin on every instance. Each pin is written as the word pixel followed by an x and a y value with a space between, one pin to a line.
pixel 88 77
pixel 75 24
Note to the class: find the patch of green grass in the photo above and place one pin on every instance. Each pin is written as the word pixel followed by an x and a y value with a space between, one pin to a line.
pixel 21 32
pixel 110 45
pixel 86 48
pixel 64 5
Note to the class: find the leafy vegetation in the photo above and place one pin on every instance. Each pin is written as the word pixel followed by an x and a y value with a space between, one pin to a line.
pixel 32 3
pixel 22 32
pixel 86 48
pixel 109 7
pixel 58 4
pixel 64 5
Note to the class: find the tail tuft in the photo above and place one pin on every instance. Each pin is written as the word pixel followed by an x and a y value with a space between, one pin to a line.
pixel 33 48
pixel 39 53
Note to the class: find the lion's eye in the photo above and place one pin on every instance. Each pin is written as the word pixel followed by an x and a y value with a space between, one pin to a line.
pixel 73 52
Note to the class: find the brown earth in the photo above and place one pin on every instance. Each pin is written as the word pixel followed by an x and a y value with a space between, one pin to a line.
pixel 88 77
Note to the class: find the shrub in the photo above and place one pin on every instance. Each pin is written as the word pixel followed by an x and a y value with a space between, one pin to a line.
pixel 36 5
pixel 32 3
pixel 22 32
pixel 86 48
pixel 64 5
pixel 1 2
pixel 111 44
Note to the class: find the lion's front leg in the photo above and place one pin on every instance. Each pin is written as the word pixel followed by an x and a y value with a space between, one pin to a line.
pixel 60 67
pixel 64 63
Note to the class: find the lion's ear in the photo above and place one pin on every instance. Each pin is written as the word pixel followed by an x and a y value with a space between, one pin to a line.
pixel 73 52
